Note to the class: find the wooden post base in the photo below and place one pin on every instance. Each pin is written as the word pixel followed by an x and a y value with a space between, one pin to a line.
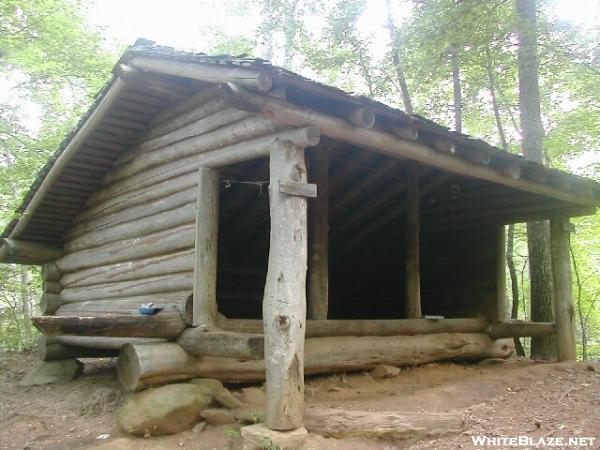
pixel 258 437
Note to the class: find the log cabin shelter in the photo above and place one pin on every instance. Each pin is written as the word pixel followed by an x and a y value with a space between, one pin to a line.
pixel 280 226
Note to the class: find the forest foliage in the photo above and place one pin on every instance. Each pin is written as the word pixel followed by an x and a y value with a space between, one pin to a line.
pixel 451 61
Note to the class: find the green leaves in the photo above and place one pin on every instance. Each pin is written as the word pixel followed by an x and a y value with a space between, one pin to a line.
pixel 51 63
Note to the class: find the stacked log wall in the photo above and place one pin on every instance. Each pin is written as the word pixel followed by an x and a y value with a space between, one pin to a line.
pixel 134 241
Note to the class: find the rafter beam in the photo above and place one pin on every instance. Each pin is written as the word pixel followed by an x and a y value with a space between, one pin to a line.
pixel 383 142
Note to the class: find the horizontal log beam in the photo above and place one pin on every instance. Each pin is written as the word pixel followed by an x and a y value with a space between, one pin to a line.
pixel 224 156
pixel 202 141
pixel 136 197
pixel 160 205
pixel 206 342
pixel 213 73
pixel 138 247
pixel 142 226
pixel 181 281
pixel 132 270
pixel 326 328
pixel 171 303
pixel 218 119
pixel 162 120
pixel 519 328
pixel 140 366
pixel 49 349
pixel 99 342
pixel 156 326
pixel 28 252
pixel 389 144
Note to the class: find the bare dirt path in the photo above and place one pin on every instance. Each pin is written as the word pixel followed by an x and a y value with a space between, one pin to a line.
pixel 516 398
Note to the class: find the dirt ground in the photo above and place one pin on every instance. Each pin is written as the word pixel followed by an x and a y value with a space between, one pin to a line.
pixel 514 398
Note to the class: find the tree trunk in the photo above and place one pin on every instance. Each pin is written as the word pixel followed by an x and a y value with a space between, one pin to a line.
pixel 540 266
pixel 514 283
pixel 581 317
pixel 510 240
pixel 406 100
pixel 457 91
pixel 25 294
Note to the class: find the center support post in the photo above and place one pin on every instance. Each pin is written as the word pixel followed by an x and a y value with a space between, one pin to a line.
pixel 413 265
pixel 284 303
pixel 318 236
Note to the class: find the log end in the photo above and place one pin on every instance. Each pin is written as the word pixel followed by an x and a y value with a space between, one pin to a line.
pixel 312 136
pixel 364 118
pixel 128 368
pixel 264 81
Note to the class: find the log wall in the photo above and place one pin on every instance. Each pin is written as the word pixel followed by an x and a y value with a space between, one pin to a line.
pixel 134 241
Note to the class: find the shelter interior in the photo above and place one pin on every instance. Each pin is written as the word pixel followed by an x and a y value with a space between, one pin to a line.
pixel 459 239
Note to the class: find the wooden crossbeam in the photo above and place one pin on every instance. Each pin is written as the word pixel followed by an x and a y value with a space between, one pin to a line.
pixel 387 143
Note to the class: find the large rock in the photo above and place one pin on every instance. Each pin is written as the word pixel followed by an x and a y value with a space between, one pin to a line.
pixel 47 372
pixel 167 409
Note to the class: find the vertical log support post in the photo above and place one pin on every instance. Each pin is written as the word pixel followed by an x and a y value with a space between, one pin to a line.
pixel 502 314
pixel 284 304
pixel 207 234
pixel 413 276
pixel 563 294
pixel 318 237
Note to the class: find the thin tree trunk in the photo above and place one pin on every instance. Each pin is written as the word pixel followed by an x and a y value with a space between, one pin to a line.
pixel 510 241
pixel 457 91
pixel 540 265
pixel 582 320
pixel 514 283
pixel 25 296
pixel 290 30
pixel 492 81
pixel 406 100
